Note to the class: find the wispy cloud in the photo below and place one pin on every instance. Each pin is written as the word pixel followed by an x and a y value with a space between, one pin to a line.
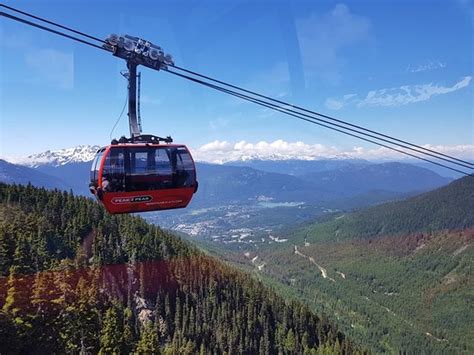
pixel 428 66
pixel 324 37
pixel 403 95
pixel 408 94
pixel 224 151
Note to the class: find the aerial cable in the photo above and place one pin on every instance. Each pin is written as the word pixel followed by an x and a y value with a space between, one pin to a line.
pixel 15 18
pixel 53 23
pixel 261 103
pixel 322 115
pixel 285 110
pixel 299 116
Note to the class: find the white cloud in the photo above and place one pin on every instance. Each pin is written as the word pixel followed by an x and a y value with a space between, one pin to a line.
pixel 323 37
pixel 409 94
pixel 224 151
pixel 428 66
pixel 400 96
pixel 216 146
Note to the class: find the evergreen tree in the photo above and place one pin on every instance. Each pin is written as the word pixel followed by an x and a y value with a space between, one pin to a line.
pixel 111 341
pixel 17 293
pixel 5 251
pixel 290 346
pixel 148 343
pixel 79 303
pixel 128 331
pixel 22 256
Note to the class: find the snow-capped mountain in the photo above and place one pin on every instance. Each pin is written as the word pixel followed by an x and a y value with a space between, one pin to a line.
pixel 290 156
pixel 55 158
pixel 86 153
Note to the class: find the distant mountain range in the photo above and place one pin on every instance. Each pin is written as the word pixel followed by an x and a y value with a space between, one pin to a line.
pixel 74 174
pixel 251 194
pixel 299 167
pixel 18 174
pixel 359 178
pixel 55 158
pixel 447 208
pixel 323 181
pixel 240 182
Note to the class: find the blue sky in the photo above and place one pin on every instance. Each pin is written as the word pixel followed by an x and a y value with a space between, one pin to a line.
pixel 400 67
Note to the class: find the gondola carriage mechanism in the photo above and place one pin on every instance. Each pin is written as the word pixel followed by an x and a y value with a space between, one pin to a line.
pixel 145 172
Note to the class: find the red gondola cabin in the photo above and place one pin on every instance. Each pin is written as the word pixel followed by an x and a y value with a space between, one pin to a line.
pixel 128 178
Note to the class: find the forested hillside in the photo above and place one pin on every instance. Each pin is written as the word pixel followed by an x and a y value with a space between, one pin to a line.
pixel 74 279
pixel 449 207
pixel 396 277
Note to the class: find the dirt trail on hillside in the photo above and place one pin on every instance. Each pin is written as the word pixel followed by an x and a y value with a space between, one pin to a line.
pixel 323 271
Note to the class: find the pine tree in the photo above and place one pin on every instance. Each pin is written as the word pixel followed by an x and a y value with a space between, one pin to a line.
pixel 16 305
pixel 148 343
pixel 202 349
pixel 17 299
pixel 128 331
pixel 290 342
pixel 111 341
pixel 41 293
pixel 22 256
pixel 5 253
pixel 39 247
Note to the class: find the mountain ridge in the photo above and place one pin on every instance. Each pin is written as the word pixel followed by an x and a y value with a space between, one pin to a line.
pixel 55 158
pixel 448 207
pixel 19 174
